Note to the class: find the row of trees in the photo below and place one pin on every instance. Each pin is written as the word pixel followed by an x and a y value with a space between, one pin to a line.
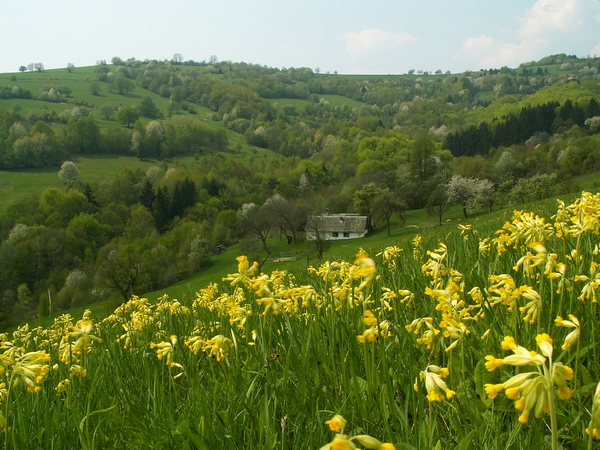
pixel 547 118
pixel 25 145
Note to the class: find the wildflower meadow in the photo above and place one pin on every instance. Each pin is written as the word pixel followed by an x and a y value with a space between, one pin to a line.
pixel 485 339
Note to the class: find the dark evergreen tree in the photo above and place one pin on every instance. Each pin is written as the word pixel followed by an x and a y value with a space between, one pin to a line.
pixel 162 209
pixel 147 194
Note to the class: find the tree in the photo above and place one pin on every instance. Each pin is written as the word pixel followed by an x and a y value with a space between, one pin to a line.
pixel 123 270
pixel 39 67
pixel 148 109
pixel 95 88
pixel 461 190
pixel 285 214
pixel 320 243
pixel 127 115
pixel 385 204
pixel 437 203
pixel 364 201
pixel 83 135
pixel 70 67
pixel 107 111
pixel 69 172
pixel 255 222
pixel 23 69
pixel 123 85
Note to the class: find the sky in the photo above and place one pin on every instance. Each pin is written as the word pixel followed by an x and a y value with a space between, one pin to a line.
pixel 344 36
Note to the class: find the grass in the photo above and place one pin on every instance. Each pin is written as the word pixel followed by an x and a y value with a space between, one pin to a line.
pixel 403 348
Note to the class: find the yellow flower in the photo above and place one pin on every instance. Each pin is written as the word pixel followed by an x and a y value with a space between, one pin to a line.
pixel 341 443
pixel 573 336
pixel 594 426
pixel 365 270
pixel 544 342
pixel 508 343
pixel 387 446
pixel 531 390
pixel 492 363
pixel 369 318
pixel 30 369
pixel 166 351
pixel 434 384
pixel 337 423
pixel 492 390
pixel 245 271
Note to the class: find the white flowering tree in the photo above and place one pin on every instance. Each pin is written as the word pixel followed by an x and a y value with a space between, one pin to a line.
pixel 470 193
pixel 69 172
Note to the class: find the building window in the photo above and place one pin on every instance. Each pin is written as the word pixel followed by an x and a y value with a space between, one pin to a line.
pixel 334 234
pixel 346 234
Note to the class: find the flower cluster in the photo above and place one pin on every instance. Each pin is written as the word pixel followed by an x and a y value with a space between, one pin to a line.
pixel 531 390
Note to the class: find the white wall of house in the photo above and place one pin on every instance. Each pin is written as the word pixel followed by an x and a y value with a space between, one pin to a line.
pixel 334 236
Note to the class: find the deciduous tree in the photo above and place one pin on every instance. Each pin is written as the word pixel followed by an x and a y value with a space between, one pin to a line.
pixel 69 172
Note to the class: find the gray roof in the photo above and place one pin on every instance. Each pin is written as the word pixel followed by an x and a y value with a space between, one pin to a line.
pixel 341 223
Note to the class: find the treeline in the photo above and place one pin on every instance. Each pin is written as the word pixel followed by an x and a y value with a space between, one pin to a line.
pixel 548 118
pixel 26 145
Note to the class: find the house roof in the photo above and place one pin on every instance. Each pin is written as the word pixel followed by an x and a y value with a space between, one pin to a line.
pixel 341 223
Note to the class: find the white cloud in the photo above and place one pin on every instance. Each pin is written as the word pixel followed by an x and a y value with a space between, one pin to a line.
pixel 542 27
pixel 372 39
pixel 547 17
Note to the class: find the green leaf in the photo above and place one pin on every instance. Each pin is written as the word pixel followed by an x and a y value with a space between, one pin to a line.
pixel 465 442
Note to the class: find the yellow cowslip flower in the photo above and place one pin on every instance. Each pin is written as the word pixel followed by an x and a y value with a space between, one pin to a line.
pixel 435 386
pixel 166 351
pixel 588 292
pixel 369 318
pixel 531 390
pixel 340 442
pixel 484 246
pixel 463 230
pixel 407 296
pixel 336 424
pixel 61 388
pixel 533 307
pixel 423 327
pixel 245 271
pixel 416 247
pixel 435 267
pixel 371 333
pixel 82 332
pixel 390 254
pixel 77 371
pixel 254 337
pixel 594 426
pixel 531 261
pixel 30 369
pixel 557 271
pixel 508 343
pixel 526 228
pixel 364 268
pixel 573 336
pixel 217 347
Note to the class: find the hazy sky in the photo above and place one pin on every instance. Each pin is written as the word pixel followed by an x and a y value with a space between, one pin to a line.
pixel 347 36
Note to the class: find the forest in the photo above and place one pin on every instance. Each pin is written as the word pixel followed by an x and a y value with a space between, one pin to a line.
pixel 241 153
